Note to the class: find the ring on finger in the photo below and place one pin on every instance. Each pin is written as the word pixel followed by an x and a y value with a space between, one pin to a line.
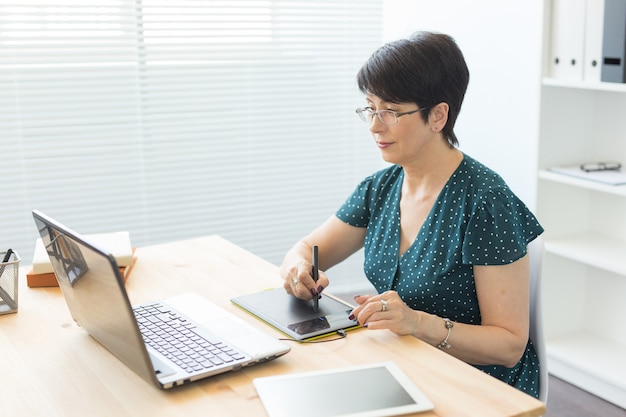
pixel 295 281
pixel 384 306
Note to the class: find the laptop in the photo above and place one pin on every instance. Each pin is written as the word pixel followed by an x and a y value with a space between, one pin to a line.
pixel 168 343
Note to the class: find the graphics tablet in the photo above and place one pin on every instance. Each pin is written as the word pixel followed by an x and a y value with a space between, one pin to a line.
pixel 296 317
pixel 373 390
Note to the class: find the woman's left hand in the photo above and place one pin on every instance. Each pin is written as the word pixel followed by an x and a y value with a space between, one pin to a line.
pixel 386 311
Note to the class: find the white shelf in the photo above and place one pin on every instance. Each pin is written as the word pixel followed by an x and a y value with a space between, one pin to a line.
pixel 592 249
pixel 584 85
pixel 594 364
pixel 619 190
pixel 585 232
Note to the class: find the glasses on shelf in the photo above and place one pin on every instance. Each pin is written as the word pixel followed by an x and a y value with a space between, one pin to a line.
pixel 601 166
pixel 387 117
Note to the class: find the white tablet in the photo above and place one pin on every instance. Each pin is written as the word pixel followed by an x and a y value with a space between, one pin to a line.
pixel 372 390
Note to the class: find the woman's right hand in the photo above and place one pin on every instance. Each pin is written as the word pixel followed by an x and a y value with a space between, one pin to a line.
pixel 299 281
pixel 336 241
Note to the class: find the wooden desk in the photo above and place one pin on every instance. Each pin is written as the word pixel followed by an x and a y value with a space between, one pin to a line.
pixel 51 367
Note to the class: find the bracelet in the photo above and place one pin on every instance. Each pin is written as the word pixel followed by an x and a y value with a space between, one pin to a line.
pixel 444 343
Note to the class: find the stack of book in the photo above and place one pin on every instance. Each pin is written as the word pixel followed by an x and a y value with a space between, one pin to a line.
pixel 117 243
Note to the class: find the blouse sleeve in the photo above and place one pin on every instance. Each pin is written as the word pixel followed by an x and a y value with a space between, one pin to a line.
pixel 355 211
pixel 499 229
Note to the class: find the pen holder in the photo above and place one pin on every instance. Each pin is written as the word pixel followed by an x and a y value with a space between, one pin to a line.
pixel 8 283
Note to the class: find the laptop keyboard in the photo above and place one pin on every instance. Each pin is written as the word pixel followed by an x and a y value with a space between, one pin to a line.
pixel 173 336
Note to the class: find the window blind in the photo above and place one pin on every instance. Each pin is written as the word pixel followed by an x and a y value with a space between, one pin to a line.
pixel 180 119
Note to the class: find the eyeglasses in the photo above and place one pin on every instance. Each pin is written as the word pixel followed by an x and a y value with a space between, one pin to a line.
pixel 387 117
pixel 601 166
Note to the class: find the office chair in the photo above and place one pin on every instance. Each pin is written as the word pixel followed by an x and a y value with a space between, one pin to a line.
pixel 535 250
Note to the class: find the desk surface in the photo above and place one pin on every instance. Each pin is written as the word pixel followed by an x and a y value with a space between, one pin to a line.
pixel 51 367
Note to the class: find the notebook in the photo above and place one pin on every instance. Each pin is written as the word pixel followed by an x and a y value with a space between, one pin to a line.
pixel 93 289
pixel 371 390
pixel 297 318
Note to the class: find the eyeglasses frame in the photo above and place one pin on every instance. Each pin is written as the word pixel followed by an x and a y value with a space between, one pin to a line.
pixel 360 111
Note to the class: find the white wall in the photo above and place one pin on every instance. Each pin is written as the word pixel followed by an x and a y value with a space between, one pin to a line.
pixel 502 44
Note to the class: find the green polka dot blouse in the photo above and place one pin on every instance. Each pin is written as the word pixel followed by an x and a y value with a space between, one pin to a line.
pixel 476 220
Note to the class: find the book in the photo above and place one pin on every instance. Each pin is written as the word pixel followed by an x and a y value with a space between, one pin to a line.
pixel 117 243
pixel 49 279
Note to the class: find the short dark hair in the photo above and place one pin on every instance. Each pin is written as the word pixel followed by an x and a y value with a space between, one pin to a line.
pixel 427 69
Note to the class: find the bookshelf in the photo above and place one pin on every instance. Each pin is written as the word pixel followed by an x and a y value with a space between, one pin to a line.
pixel 585 238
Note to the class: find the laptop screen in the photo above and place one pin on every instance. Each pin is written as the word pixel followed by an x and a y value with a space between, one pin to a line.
pixel 94 291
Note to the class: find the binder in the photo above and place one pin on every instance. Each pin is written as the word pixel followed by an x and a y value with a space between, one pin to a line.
pixel 568 39
pixel 594 23
pixel 614 42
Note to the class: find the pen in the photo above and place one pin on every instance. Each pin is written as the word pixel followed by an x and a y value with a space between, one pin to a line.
pixel 7 255
pixel 315 272
pixel 6 258
pixel 3 294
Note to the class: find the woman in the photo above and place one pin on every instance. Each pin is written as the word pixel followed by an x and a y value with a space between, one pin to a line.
pixel 444 237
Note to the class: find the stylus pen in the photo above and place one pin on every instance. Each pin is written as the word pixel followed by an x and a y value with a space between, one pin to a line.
pixel 314 260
